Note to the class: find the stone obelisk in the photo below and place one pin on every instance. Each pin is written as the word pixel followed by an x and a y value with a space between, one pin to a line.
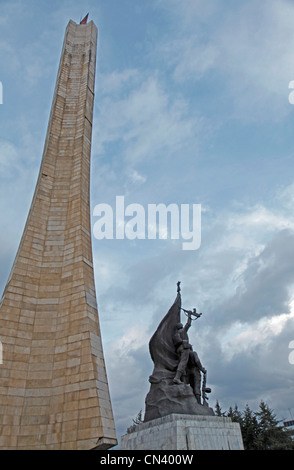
pixel 54 390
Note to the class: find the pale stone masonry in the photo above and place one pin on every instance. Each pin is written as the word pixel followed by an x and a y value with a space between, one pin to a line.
pixel 54 391
pixel 184 432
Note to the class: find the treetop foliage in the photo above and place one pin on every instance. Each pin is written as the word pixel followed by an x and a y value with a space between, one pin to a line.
pixel 260 429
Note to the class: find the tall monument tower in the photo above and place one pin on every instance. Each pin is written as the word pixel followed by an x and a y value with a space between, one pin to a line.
pixel 53 385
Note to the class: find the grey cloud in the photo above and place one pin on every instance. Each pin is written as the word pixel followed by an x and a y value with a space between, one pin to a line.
pixel 261 373
pixel 265 284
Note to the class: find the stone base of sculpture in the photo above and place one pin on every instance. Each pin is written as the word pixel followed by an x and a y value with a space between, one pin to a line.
pixel 165 398
pixel 184 432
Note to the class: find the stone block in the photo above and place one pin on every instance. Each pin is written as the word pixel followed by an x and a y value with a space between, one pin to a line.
pixel 184 432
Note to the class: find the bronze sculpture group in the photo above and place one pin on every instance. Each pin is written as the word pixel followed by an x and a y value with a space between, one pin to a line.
pixel 178 372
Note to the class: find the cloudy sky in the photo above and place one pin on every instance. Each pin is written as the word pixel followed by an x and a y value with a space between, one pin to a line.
pixel 192 107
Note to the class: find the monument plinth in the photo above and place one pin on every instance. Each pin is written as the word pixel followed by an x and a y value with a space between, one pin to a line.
pixel 177 415
pixel 184 432
pixel 53 384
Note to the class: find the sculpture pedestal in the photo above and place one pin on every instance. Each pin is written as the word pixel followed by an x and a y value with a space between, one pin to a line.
pixel 184 432
pixel 166 398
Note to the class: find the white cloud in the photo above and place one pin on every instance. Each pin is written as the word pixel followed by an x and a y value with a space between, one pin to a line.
pixel 286 198
pixel 243 338
pixel 260 217
pixel 250 48
pixel 10 163
pixel 148 123
pixel 9 57
pixel 134 338
pixel 114 82
pixel 135 178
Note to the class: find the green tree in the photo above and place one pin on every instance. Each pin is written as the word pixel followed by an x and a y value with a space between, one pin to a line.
pixel 138 419
pixel 218 410
pixel 260 429
pixel 249 429
pixel 235 414
pixel 271 436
